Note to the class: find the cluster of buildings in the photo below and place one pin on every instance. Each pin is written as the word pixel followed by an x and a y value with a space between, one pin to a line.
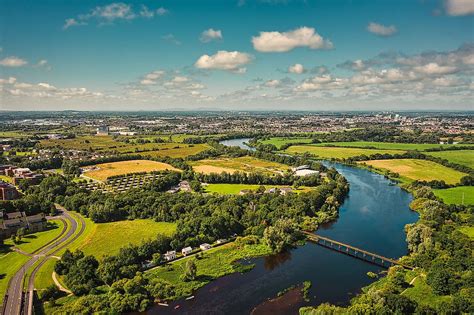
pixel 171 255
pixel 10 223
pixel 182 186
pixel 8 191
pixel 106 130
pixel 19 173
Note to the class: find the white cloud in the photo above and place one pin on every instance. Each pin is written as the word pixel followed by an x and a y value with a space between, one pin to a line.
pixel 210 35
pixel 272 83
pixel 286 41
pixel 381 30
pixel 162 11
pixel 224 60
pixel 72 22
pixel 13 61
pixel 114 11
pixel 296 68
pixel 459 7
pixel 171 38
pixel 433 68
pixel 180 79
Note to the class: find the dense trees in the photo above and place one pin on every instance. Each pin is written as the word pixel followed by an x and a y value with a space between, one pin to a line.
pixel 282 235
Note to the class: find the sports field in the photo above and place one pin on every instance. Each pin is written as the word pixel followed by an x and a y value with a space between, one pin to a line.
pixel 456 195
pixel 243 164
pixel 336 152
pixel 108 238
pixel 462 157
pixel 419 169
pixel 103 171
pixel 391 145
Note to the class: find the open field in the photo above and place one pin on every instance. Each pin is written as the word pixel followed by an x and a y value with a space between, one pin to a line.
pixel 233 189
pixel 108 238
pixel 177 151
pixel 390 145
pixel 462 157
pixel 89 227
pixel 418 169
pixel 243 164
pixel 9 264
pixel 43 277
pixel 214 263
pixel 84 143
pixel 32 242
pixel 336 152
pixel 279 141
pixel 106 170
pixel 456 195
pixel 468 230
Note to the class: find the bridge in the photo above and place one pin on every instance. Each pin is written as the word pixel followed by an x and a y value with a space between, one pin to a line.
pixel 354 251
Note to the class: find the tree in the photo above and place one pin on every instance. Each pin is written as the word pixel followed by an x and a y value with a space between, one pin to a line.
pixel 190 270
pixel 196 185
pixel 281 235
pixel 156 258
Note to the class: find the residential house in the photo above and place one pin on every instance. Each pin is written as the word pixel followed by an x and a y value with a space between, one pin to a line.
pixel 187 250
pixel 205 246
pixel 169 255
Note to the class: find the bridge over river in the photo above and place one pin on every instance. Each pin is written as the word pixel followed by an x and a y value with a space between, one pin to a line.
pixel 354 251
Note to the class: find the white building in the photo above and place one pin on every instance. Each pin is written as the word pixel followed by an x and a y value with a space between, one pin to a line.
pixel 205 246
pixel 187 250
pixel 170 255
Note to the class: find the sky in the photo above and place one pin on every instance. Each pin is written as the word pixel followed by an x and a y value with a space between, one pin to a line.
pixel 237 55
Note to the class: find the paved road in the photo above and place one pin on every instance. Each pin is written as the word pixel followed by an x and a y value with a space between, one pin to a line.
pixel 15 290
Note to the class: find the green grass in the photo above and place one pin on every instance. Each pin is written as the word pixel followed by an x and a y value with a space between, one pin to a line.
pixel 418 169
pixel 423 294
pixel 177 151
pixel 78 242
pixel 468 230
pixel 280 141
pixel 336 152
pixel 391 146
pixel 462 157
pixel 9 265
pixel 243 164
pixel 232 189
pixel 108 238
pixel 32 242
pixel 214 264
pixel 44 275
pixel 455 195
pixel 6 179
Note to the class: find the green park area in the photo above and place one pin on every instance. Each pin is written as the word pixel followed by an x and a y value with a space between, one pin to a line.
pixel 246 164
pixel 336 152
pixel 233 189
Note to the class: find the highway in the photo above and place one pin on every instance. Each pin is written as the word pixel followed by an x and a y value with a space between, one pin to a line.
pixel 14 297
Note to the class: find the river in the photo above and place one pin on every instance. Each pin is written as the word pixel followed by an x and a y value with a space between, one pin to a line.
pixel 372 217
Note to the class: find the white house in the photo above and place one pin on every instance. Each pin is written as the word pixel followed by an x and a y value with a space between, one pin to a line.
pixel 205 246
pixel 187 250
pixel 220 241
pixel 170 255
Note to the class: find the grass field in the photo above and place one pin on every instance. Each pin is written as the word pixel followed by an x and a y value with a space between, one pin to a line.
pixel 89 228
pixel 391 146
pixel 106 170
pixel 418 169
pixel 108 238
pixel 279 141
pixel 468 230
pixel 214 264
pixel 336 152
pixel 462 157
pixel 9 264
pixel 455 195
pixel 177 151
pixel 423 294
pixel 43 277
pixel 84 143
pixel 243 164
pixel 32 242
pixel 233 189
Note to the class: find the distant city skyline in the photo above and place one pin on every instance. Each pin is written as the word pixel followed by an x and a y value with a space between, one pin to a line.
pixel 237 55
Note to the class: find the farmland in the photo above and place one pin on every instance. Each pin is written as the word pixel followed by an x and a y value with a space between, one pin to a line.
pixel 462 157
pixel 456 195
pixel 244 164
pixel 232 189
pixel 177 151
pixel 418 170
pixel 102 171
pixel 390 145
pixel 336 152
pixel 280 141
pixel 108 238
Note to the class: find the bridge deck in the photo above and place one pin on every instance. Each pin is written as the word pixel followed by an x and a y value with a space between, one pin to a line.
pixel 346 249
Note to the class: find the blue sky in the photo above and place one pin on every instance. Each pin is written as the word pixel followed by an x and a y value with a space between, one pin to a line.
pixel 263 54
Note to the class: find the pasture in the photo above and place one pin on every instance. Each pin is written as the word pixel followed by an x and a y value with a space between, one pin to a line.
pixel 456 195
pixel 103 171
pixel 462 157
pixel 84 143
pixel 108 238
pixel 414 169
pixel 243 164
pixel 336 152
pixel 176 151
pixel 390 145
pixel 280 141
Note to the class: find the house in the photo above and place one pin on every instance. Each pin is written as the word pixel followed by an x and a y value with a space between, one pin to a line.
pixel 285 190
pixel 7 191
pixel 205 246
pixel 36 222
pixel 221 241
pixel 16 220
pixel 169 255
pixel 187 250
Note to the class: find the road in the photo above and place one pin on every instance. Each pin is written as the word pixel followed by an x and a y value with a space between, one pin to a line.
pixel 14 297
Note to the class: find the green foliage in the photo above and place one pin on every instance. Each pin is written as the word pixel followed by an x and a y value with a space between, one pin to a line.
pixel 282 235
pixel 190 270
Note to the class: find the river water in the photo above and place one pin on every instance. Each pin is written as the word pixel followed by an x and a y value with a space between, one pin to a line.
pixel 372 217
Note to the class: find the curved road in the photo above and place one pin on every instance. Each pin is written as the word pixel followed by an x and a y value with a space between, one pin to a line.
pixel 14 298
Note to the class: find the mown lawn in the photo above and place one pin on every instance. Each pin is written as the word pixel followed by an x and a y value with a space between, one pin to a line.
pixel 243 164
pixel 280 141
pixel 462 157
pixel 108 238
pixel 390 145
pixel 32 242
pixel 414 169
pixel 336 152
pixel 103 171
pixel 233 189
pixel 214 264
pixel 9 264
pixel 456 195
pixel 44 275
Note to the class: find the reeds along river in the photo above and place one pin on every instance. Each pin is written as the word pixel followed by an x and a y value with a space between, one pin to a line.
pixel 372 217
